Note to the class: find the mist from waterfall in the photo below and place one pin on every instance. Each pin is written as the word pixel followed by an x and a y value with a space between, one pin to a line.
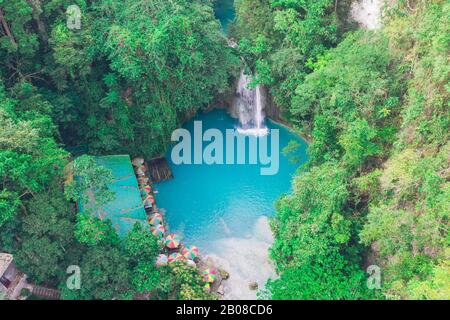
pixel 248 105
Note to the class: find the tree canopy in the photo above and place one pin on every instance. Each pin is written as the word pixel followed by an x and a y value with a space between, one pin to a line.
pixel 375 107
pixel 373 104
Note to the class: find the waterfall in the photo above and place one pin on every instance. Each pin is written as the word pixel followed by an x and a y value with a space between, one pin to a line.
pixel 259 117
pixel 249 107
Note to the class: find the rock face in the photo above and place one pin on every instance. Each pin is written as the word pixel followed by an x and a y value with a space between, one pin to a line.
pixel 223 100
pixel 225 275
pixel 270 109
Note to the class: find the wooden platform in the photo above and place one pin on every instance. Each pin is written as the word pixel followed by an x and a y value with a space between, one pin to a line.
pixel 46 293
pixel 159 170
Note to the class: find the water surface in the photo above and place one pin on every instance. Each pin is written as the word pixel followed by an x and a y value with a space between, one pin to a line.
pixel 224 11
pixel 223 209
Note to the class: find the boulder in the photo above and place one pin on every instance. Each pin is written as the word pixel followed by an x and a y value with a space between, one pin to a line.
pixel 253 286
pixel 221 290
pixel 225 275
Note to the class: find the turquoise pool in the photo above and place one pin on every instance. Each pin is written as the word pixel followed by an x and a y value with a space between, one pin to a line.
pixel 207 202
pixel 224 209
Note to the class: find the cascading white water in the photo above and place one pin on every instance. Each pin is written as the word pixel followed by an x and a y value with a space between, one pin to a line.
pixel 249 107
pixel 259 117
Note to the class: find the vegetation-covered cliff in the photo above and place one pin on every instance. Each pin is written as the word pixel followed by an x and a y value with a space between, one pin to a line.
pixel 119 80
pixel 375 104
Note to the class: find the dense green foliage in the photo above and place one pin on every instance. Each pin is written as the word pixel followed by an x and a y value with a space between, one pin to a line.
pixel 127 271
pixel 124 81
pixel 30 157
pixel 410 199
pixel 375 189
pixel 374 105
pixel 314 233
pixel 120 83
pixel 281 38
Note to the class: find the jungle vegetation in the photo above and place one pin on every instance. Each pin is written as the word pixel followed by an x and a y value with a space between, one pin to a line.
pixel 120 83
pixel 375 190
pixel 374 104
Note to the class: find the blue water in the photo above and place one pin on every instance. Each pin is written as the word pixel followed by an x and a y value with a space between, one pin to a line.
pixel 224 11
pixel 204 203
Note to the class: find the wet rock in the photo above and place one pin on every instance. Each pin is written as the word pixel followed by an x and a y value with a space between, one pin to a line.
pixel 221 290
pixel 253 286
pixel 225 275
